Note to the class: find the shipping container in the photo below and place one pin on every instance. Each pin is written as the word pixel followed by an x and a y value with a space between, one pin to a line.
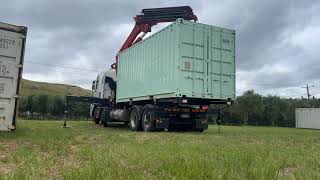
pixel 12 46
pixel 308 118
pixel 185 59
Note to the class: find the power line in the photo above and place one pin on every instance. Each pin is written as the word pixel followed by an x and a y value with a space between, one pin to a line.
pixel 70 74
pixel 54 70
pixel 60 66
pixel 272 85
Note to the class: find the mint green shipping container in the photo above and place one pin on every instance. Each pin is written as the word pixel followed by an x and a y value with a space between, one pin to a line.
pixel 184 59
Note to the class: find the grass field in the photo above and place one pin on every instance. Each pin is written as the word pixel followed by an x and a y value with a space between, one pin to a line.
pixel 44 150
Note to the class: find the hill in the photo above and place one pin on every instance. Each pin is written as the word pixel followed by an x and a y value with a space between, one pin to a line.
pixel 36 88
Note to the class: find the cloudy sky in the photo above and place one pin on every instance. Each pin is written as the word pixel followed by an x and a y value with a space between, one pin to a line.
pixel 71 41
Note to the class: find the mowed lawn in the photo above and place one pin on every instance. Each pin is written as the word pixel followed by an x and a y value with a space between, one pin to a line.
pixel 44 150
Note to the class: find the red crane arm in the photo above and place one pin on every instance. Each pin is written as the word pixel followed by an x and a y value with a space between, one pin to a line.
pixel 137 29
pixel 151 17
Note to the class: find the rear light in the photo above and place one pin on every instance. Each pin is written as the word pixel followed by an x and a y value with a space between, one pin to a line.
pixel 158 121
pixel 184 110
pixel 204 107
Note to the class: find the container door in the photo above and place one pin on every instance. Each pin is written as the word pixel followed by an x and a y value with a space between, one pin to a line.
pixel 199 61
pixel 215 74
pixel 195 59
pixel 10 73
pixel 222 67
pixel 207 62
pixel 202 61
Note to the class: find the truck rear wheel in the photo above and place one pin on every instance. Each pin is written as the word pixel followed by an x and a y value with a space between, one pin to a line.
pixel 200 130
pixel 135 118
pixel 148 123
pixel 96 120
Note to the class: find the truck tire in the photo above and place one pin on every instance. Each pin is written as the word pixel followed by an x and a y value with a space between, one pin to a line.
pixel 96 117
pixel 148 124
pixel 135 118
pixel 200 130
pixel 104 122
pixel 96 120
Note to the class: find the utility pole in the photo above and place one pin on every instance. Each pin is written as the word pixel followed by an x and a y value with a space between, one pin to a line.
pixel 308 92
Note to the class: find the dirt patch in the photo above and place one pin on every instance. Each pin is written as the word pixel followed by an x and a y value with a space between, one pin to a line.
pixel 74 148
pixel 251 141
pixel 7 168
pixel 6 148
pixel 94 139
pixel 64 163
pixel 9 145
pixel 287 172
pixel 143 137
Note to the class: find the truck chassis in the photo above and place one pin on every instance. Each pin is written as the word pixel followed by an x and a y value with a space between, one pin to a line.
pixel 173 114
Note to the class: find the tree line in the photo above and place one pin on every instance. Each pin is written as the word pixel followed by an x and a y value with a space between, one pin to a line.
pixel 50 107
pixel 254 109
pixel 249 109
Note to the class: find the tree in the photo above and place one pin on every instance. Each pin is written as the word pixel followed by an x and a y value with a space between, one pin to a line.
pixel 249 104
pixel 23 101
pixel 78 109
pixel 272 109
pixel 43 105
pixel 57 106
pixel 31 105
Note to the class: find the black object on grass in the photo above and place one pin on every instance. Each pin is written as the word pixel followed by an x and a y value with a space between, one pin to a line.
pixel 219 121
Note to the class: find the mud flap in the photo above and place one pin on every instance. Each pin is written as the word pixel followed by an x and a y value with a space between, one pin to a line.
pixel 162 123
pixel 201 124
pixel 161 120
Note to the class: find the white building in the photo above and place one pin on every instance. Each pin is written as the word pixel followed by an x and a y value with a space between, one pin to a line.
pixel 308 118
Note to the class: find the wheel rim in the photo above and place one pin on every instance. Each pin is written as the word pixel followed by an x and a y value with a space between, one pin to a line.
pixel 146 122
pixel 133 120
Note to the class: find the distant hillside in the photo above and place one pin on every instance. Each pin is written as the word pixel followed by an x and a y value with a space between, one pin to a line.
pixel 35 88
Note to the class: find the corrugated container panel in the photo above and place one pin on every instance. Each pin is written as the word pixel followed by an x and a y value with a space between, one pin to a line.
pixel 184 58
pixel 12 44
pixel 308 118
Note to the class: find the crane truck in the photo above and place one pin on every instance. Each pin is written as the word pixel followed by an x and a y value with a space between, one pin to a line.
pixel 168 80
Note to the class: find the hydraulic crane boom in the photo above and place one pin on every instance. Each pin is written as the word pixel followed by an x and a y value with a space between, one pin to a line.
pixel 151 17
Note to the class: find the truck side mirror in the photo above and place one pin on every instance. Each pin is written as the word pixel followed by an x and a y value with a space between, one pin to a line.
pixel 93 85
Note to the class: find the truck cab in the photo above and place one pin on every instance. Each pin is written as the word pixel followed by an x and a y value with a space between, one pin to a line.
pixel 104 87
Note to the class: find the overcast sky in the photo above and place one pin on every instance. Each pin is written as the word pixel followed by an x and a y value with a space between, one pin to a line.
pixel 277 41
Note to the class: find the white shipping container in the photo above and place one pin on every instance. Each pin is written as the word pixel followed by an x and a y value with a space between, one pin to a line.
pixel 12 46
pixel 308 118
